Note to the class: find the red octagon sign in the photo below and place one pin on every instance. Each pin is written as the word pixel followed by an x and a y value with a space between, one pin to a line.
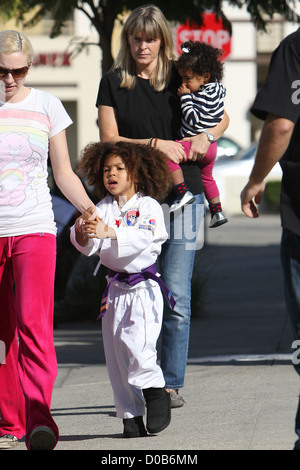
pixel 211 32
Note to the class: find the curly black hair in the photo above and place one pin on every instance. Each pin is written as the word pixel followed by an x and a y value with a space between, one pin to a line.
pixel 146 166
pixel 200 58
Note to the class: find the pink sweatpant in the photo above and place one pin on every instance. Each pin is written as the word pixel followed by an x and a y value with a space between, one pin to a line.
pixel 27 376
pixel 206 165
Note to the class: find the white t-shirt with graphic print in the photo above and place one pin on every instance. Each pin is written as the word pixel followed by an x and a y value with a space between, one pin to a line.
pixel 25 129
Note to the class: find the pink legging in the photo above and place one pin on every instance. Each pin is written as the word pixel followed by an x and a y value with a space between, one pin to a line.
pixel 27 376
pixel 206 165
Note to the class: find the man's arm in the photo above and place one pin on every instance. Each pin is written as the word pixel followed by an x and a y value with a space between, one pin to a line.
pixel 274 140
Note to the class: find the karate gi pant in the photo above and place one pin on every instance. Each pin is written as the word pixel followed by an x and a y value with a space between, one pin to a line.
pixel 131 327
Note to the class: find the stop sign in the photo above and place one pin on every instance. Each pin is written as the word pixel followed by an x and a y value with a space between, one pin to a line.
pixel 211 32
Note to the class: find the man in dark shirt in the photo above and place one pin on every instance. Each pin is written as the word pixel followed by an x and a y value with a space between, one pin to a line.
pixel 278 103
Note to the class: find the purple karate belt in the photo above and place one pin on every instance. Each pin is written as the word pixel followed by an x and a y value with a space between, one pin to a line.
pixel 132 279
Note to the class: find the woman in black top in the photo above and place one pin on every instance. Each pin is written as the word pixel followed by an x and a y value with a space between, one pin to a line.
pixel 138 102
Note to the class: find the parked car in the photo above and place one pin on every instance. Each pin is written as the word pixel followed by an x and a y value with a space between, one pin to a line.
pixel 227 148
pixel 232 174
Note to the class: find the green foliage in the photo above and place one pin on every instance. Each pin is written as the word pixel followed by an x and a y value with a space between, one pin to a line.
pixel 9 9
pixel 98 11
pixel 102 14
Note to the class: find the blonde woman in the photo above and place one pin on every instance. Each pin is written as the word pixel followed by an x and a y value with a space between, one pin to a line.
pixel 138 102
pixel 32 123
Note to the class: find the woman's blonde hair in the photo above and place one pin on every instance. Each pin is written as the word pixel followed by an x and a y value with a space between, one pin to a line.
pixel 13 41
pixel 148 19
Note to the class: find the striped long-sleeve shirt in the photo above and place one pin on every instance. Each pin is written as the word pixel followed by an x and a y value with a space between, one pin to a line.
pixel 203 109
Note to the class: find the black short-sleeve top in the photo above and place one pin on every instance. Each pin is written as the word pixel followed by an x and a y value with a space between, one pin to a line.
pixel 143 113
pixel 280 95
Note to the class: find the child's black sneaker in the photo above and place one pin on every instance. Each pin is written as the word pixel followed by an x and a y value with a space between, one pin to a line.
pixel 158 403
pixel 134 427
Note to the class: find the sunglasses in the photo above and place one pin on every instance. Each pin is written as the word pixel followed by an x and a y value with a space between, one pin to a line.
pixel 16 73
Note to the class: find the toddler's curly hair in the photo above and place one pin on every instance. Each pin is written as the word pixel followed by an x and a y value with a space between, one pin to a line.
pixel 199 58
pixel 146 167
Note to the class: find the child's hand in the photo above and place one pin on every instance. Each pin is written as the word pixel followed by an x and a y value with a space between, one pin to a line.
pixel 88 214
pixel 81 236
pixel 98 229
pixel 79 224
pixel 91 227
pixel 183 89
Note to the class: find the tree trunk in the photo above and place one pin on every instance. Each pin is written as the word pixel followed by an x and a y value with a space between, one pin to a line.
pixel 107 59
pixel 104 26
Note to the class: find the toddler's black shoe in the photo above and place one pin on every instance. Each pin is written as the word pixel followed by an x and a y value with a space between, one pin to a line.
pixel 158 409
pixel 134 427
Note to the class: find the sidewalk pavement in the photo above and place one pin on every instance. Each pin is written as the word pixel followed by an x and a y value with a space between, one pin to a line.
pixel 241 390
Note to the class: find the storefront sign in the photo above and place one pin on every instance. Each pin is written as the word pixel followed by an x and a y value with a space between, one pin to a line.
pixel 52 59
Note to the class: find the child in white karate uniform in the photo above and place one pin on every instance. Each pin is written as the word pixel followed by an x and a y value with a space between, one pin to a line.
pixel 129 231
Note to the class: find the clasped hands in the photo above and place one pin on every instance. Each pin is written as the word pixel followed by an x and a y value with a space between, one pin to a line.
pixel 93 227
